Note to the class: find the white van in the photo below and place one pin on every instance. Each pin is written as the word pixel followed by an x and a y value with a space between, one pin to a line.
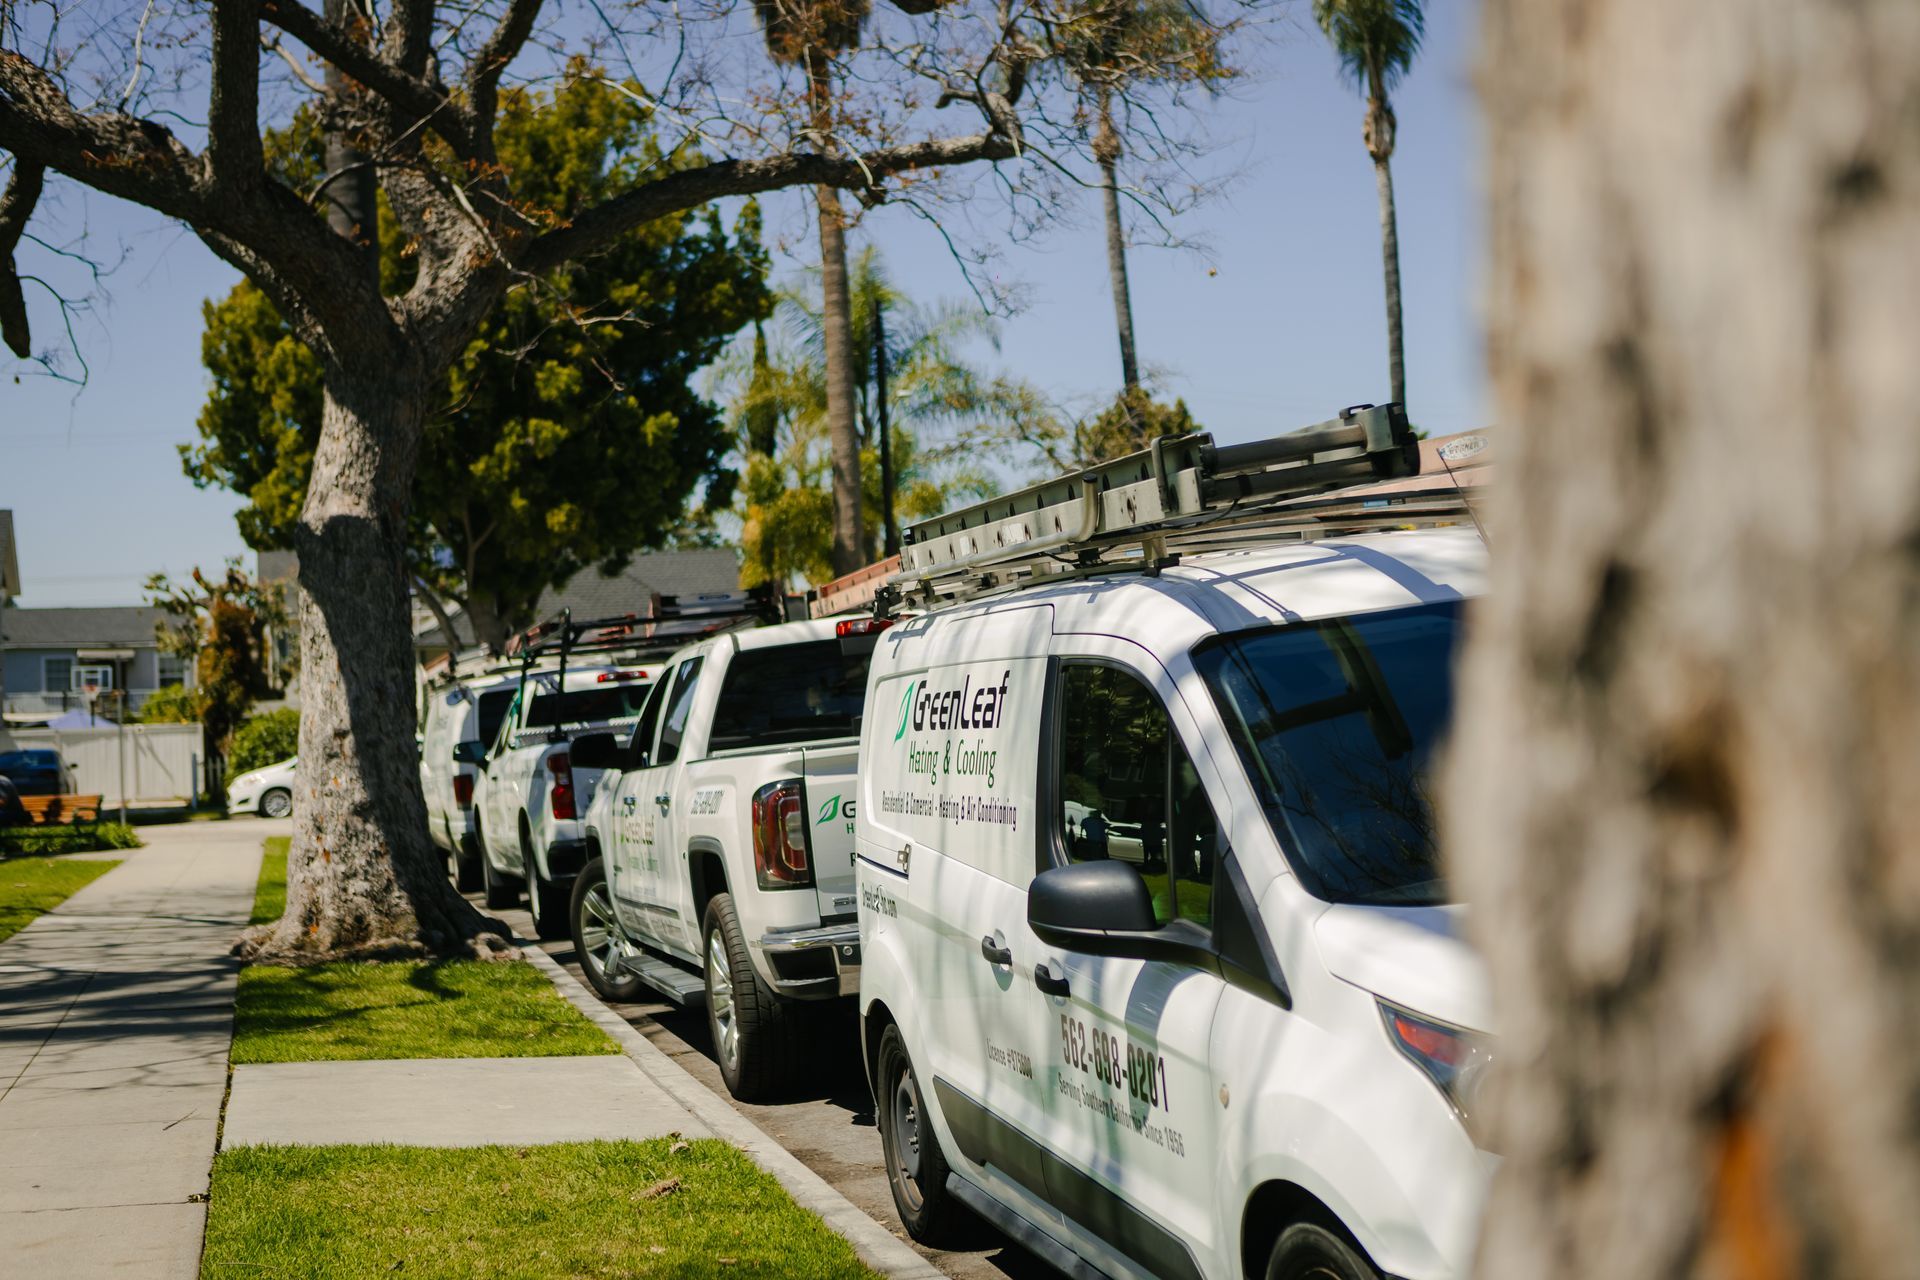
pixel 462 711
pixel 1159 974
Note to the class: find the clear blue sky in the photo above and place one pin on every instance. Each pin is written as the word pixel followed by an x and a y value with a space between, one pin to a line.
pixel 1288 331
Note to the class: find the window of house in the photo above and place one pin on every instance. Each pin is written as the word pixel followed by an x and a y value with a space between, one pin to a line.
pixel 1129 791
pixel 87 673
pixel 56 674
pixel 173 669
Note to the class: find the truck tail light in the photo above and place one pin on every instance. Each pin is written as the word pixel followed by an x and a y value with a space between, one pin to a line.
pixel 463 790
pixel 560 765
pixel 780 840
pixel 861 627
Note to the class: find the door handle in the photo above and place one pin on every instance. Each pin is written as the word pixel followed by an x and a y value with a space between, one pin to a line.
pixel 1049 985
pixel 995 953
pixel 663 799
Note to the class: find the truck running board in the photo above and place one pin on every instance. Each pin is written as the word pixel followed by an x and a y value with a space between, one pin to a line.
pixel 664 976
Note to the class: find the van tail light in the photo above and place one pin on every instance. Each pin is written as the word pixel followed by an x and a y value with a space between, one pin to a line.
pixel 780 839
pixel 463 790
pixel 560 765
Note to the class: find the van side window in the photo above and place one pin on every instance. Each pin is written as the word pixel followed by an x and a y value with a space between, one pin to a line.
pixel 1128 791
pixel 686 679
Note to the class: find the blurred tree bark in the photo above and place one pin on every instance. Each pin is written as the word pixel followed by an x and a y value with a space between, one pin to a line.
pixel 1679 797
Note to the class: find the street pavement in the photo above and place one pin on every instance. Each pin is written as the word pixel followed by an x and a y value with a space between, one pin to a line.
pixel 116 1012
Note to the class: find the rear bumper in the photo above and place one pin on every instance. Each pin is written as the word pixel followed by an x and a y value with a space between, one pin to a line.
pixel 817 963
pixel 565 858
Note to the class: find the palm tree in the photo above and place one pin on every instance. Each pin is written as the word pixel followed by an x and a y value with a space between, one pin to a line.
pixel 808 33
pixel 1376 41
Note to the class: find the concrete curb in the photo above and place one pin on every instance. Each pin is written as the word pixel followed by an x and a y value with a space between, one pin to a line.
pixel 877 1247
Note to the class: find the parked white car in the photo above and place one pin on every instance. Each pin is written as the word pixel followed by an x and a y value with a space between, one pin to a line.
pixel 267 792
pixel 468 710
pixel 720 843
pixel 1160 973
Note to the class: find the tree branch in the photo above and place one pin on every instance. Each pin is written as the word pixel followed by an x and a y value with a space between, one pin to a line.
pixel 501 48
pixel 600 226
pixel 233 125
pixel 16 206
pixel 408 93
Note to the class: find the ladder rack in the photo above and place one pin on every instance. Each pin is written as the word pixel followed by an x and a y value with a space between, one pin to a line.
pixel 1182 496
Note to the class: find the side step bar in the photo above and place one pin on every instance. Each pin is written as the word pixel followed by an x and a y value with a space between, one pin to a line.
pixel 1021 1232
pixel 669 979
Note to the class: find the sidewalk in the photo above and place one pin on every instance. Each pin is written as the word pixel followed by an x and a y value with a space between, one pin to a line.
pixel 116 1010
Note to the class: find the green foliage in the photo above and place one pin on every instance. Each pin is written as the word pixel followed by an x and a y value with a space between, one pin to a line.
pixel 1376 40
pixel 172 704
pixel 222 624
pixel 406 1009
pixel 568 433
pixel 662 1209
pixel 951 421
pixel 264 740
pixel 32 886
pixel 1131 423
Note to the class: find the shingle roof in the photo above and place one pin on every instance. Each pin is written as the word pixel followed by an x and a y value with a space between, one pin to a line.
pixel 125 627
pixel 591 594
pixel 9 558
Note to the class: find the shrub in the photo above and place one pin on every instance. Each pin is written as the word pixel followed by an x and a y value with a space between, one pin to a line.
pixel 174 704
pixel 64 839
pixel 264 740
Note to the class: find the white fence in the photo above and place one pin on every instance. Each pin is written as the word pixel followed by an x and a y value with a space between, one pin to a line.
pixel 162 761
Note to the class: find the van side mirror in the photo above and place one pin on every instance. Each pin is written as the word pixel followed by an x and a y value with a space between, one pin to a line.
pixel 472 751
pixel 1104 908
pixel 595 751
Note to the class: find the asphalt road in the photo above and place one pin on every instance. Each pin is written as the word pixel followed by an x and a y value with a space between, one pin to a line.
pixel 827 1124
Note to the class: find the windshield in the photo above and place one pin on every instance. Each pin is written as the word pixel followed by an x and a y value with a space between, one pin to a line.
pixel 1336 722
pixel 790 693
pixel 598 705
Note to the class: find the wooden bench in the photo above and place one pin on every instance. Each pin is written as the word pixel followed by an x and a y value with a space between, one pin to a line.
pixel 55 811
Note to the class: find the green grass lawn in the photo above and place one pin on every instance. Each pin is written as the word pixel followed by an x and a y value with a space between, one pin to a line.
pixel 398 1009
pixel 270 895
pixel 624 1209
pixel 30 886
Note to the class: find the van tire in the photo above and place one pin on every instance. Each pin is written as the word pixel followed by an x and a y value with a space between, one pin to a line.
pixel 549 904
pixel 591 909
pixel 1308 1251
pixel 503 891
pixel 755 1033
pixel 916 1166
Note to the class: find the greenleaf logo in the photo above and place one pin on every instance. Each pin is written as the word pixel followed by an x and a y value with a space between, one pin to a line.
pixel 829 811
pixel 906 705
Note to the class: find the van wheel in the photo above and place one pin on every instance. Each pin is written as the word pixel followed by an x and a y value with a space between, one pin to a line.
pixel 596 935
pixel 1306 1251
pixel 754 1036
pixel 916 1167
pixel 502 890
pixel 546 902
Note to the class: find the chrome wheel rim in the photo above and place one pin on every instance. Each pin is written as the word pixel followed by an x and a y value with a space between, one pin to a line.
pixel 906 1135
pixel 277 805
pixel 726 1027
pixel 598 941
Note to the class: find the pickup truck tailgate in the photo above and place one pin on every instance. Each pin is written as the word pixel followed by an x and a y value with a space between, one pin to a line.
pixel 830 790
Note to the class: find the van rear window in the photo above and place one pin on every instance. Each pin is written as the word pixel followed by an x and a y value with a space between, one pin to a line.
pixel 790 693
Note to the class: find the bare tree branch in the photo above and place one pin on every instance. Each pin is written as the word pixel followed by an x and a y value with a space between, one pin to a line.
pixel 411 94
pixel 483 74
pixel 233 120
pixel 16 206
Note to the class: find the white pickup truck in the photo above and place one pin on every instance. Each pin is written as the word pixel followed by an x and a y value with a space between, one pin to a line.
pixel 720 842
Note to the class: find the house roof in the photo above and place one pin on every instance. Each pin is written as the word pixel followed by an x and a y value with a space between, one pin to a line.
pixel 9 558
pixel 125 627
pixel 592 594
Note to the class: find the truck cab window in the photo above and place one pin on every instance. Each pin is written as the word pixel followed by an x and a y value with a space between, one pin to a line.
pixel 679 705
pixel 1128 791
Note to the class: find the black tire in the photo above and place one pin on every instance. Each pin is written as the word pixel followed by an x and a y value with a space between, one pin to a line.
pixel 502 890
pixel 916 1166
pixel 547 903
pixel 1308 1251
pixel 277 803
pixel 755 1037
pixel 466 868
pixel 590 916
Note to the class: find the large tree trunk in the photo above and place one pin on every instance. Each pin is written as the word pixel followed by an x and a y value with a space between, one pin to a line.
pixel 836 324
pixel 1679 799
pixel 1106 150
pixel 363 880
pixel 1390 270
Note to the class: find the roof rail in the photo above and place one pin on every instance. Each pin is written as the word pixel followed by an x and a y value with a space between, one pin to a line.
pixel 1181 496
